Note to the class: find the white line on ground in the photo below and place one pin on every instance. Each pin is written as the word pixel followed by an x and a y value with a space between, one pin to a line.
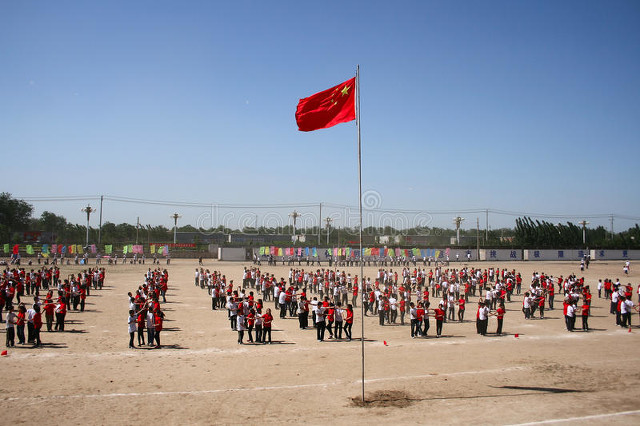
pixel 261 388
pixel 574 419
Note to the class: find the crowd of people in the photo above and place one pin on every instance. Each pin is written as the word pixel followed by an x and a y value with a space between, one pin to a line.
pixel 48 294
pixel 393 296
pixel 145 313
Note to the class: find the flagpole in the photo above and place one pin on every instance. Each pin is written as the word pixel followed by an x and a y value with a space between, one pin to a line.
pixel 360 207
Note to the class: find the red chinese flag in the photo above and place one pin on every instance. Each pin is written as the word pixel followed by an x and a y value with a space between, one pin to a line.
pixel 327 108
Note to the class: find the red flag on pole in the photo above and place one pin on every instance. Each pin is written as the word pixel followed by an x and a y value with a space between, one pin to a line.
pixel 327 108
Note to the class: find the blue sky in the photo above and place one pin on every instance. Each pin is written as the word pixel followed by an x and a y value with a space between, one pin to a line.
pixel 466 105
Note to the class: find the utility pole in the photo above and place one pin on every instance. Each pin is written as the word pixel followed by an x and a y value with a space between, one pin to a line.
pixel 175 218
pixel 88 210
pixel 458 220
pixel 478 238
pixel 320 224
pixel 100 228
pixel 584 224
pixel 295 216
pixel 328 220
pixel 611 220
pixel 137 228
pixel 486 228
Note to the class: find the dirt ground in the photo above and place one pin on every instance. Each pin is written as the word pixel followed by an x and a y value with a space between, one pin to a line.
pixel 87 375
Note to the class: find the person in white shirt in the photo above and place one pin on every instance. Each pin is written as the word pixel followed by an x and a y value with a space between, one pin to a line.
pixel 30 329
pixel 626 308
pixel 483 318
pixel 276 295
pixel 526 306
pixel 10 323
pixel 151 327
pixel 571 316
pixel 320 323
pixel 241 327
pixel 614 305
pixel 393 306
pixel 413 316
pixel 232 309
pixel 132 327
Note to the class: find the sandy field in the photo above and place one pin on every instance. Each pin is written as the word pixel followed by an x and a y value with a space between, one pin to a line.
pixel 87 375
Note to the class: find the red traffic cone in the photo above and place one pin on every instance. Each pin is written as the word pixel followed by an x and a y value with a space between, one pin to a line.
pixel 629 332
pixel 385 342
pixel 4 353
pixel 516 335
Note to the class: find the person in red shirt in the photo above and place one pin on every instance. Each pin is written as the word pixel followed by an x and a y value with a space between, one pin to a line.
pixel 140 321
pixel 329 319
pixel 157 321
pixel 348 322
pixel 267 319
pixel 461 307
pixel 49 311
pixel 585 316
pixel 61 312
pixel 420 309
pixel 354 298
pixel 20 321
pixel 500 316
pixel 251 319
pixel 37 325
pixel 439 315
pixel 83 298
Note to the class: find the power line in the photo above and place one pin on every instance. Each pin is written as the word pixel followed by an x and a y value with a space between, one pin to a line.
pixel 171 203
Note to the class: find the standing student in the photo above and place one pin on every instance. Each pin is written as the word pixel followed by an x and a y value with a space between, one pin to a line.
pixel 267 319
pixel 526 306
pixel 251 319
pixel 132 327
pixel 20 320
pixel 232 309
pixel 11 320
pixel 585 317
pixel 381 309
pixel 424 318
pixel 37 326
pixel 83 298
pixel 439 314
pixel 571 316
pixel 140 321
pixel 320 324
pixel 61 312
pixel 258 324
pixel 337 313
pixel 483 318
pixel 241 326
pixel 413 317
pixel 348 321
pixel 158 320
pixel 329 317
pixel 303 313
pixel 151 326
pixel 30 331
pixel 500 316
pixel 461 307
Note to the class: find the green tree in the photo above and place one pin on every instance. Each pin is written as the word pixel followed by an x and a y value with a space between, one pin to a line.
pixel 15 215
